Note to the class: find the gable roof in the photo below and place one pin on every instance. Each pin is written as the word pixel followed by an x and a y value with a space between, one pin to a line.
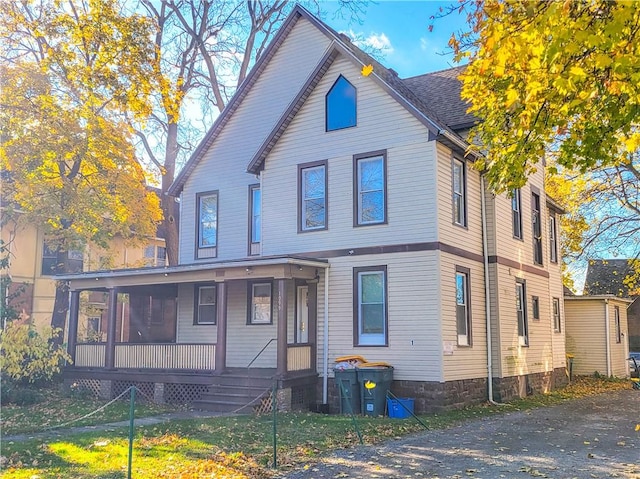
pixel 414 102
pixel 606 276
pixel 386 78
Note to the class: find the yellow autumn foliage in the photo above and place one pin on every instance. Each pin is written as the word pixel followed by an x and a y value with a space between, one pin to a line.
pixel 557 77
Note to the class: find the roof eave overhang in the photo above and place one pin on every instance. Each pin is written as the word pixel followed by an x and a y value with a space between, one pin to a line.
pixel 250 268
pixel 555 206
pixel 599 297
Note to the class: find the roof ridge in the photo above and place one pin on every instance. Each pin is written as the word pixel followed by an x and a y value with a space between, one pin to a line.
pixel 458 67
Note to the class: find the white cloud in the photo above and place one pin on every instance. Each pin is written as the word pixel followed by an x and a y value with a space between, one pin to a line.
pixel 378 42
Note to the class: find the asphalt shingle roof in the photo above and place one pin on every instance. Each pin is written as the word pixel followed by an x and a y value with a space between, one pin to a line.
pixel 441 91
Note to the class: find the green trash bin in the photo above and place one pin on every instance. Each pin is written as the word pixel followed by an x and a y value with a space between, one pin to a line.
pixel 347 384
pixel 375 382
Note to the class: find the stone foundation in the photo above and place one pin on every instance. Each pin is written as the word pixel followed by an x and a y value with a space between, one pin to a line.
pixel 433 397
pixel 429 396
pixel 514 387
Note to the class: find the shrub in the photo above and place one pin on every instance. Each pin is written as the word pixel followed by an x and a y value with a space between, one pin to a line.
pixel 29 358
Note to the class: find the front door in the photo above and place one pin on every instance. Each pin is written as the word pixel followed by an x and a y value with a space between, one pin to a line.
pixel 302 314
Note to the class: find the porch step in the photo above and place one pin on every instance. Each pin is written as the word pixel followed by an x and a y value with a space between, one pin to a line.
pixel 237 390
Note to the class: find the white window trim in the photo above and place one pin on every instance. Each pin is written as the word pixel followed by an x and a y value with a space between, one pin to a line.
pixel 516 214
pixel 359 191
pixel 463 339
pixel 553 239
pixel 521 297
pixel 459 219
pixel 199 303
pixel 252 304
pixel 370 339
pixel 200 199
pixel 304 198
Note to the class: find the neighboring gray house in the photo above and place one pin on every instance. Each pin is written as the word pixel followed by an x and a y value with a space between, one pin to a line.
pixel 329 213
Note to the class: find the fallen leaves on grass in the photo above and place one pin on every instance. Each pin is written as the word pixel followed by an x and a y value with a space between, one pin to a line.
pixel 220 466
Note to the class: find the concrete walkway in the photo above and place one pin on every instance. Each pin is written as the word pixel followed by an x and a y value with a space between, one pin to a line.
pixel 143 421
pixel 588 438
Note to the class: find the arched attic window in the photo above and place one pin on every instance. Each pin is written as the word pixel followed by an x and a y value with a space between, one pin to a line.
pixel 341 105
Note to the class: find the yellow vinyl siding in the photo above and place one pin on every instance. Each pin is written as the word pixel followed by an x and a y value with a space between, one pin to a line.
pixel 410 175
pixel 586 335
pixel 223 166
pixel 538 356
pixel 469 237
pixel 415 348
pixel 466 362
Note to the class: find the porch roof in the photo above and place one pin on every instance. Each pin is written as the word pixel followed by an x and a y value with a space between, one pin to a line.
pixel 214 271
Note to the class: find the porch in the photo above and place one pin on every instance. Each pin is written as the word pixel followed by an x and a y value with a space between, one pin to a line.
pixel 193 325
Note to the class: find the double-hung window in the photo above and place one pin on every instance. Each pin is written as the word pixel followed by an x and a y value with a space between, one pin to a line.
pixel 50 266
pixel 155 255
pixel 463 307
pixel 521 312
pixel 370 306
pixel 459 184
pixel 370 188
pixel 312 194
pixel 516 213
pixel 536 219
pixel 205 304
pixel 557 325
pixel 207 211
pixel 255 219
pixel 553 239
pixel 341 105
pixel 259 307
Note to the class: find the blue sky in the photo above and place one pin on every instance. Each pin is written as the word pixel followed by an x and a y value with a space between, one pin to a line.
pixel 401 28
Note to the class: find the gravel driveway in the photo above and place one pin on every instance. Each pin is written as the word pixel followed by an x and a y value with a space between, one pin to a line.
pixel 588 438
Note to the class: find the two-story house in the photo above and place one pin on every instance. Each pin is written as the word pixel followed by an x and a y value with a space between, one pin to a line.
pixel 326 213
pixel 31 261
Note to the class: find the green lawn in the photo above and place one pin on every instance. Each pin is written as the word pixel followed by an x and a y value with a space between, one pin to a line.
pixel 58 409
pixel 234 447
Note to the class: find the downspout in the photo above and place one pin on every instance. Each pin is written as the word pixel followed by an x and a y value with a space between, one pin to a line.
pixel 606 335
pixel 261 201
pixel 325 341
pixel 487 290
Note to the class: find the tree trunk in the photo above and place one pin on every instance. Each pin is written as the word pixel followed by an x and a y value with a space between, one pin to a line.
pixel 61 303
pixel 169 206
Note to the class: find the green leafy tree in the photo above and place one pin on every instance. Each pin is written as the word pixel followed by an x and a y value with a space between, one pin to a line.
pixel 72 72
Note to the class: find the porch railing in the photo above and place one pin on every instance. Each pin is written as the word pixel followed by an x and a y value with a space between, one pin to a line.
pixel 90 355
pixel 298 357
pixel 149 356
